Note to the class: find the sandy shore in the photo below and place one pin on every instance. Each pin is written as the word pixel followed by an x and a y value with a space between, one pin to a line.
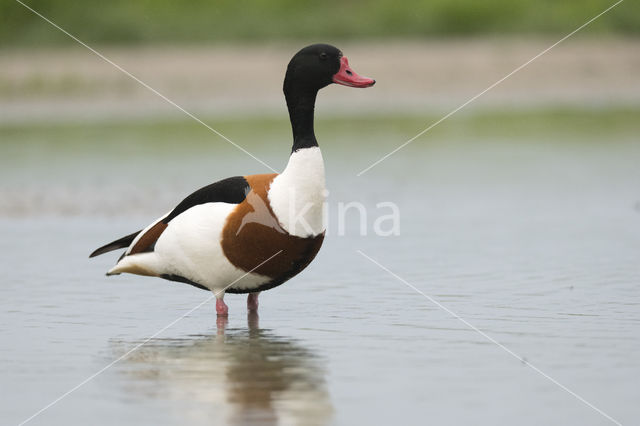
pixel 74 84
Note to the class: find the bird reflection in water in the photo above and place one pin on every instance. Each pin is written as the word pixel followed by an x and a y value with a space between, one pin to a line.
pixel 237 376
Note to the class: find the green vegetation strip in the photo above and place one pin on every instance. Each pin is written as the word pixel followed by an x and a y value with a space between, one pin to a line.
pixel 144 21
pixel 575 124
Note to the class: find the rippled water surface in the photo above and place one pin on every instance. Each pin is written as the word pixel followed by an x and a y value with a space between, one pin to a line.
pixel 533 240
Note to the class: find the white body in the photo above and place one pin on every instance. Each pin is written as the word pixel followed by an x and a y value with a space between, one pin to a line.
pixel 191 245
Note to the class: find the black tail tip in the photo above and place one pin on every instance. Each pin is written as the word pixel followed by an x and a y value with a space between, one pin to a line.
pixel 97 252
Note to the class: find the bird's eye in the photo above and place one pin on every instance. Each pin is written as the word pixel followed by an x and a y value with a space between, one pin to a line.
pixel 323 56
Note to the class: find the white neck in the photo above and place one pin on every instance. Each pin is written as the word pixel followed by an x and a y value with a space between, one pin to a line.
pixel 297 195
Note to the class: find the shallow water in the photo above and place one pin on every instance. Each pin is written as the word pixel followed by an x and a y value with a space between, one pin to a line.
pixel 535 241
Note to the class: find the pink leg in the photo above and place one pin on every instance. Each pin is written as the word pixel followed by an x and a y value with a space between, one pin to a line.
pixel 221 308
pixel 252 301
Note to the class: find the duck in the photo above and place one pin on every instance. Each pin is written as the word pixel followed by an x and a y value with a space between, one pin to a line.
pixel 250 233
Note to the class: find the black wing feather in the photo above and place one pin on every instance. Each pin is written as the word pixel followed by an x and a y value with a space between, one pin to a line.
pixel 232 190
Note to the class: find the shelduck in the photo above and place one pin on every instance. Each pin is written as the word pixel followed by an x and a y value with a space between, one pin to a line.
pixel 246 234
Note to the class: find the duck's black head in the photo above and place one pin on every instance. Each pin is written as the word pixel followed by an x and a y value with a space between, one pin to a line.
pixel 311 69
pixel 319 65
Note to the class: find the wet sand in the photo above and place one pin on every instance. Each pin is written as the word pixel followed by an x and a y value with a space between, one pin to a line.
pixel 73 84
